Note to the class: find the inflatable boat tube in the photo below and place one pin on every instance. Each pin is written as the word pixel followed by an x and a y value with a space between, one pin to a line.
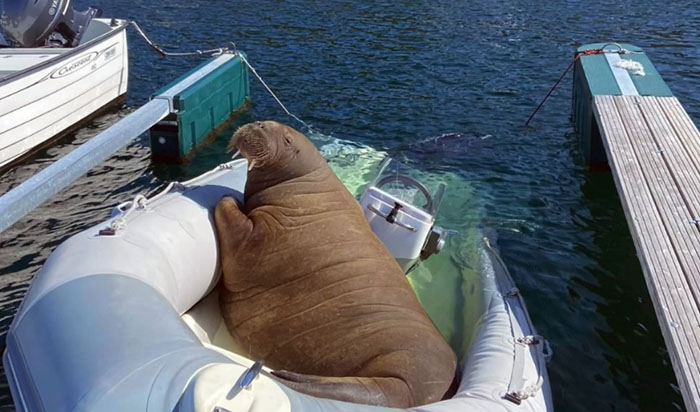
pixel 122 318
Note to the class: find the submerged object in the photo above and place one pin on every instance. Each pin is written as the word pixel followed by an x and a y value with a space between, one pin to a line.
pixel 125 316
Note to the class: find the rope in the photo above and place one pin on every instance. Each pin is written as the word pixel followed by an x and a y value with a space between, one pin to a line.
pixel 602 50
pixel 530 390
pixel 217 52
pixel 210 52
pixel 252 69
pixel 140 202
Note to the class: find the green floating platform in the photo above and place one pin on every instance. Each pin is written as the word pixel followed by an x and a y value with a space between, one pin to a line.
pixel 201 108
pixel 623 69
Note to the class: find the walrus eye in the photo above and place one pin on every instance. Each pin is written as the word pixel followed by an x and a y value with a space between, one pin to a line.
pixel 288 139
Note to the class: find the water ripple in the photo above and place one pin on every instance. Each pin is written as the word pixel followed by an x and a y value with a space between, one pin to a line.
pixel 393 74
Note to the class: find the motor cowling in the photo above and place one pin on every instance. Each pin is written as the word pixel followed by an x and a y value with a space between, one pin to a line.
pixel 37 23
pixel 401 211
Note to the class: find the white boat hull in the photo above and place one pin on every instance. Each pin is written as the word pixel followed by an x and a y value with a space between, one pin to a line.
pixel 48 99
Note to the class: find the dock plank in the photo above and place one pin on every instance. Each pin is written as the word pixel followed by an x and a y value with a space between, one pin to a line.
pixel 684 127
pixel 682 169
pixel 687 134
pixel 651 150
pixel 664 188
pixel 642 211
pixel 678 154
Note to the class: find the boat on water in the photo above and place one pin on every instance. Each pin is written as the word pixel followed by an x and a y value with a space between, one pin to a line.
pixel 125 315
pixel 61 69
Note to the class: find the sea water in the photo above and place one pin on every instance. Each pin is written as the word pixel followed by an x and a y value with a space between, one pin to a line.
pixel 460 78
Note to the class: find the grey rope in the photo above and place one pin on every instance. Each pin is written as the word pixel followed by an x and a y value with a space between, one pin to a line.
pixel 210 52
pixel 141 202
pixel 217 52
pixel 252 69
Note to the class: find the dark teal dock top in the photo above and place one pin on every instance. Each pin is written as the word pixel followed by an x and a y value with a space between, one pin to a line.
pixel 601 78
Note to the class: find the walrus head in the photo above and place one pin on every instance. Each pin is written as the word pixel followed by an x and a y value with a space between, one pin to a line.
pixel 275 153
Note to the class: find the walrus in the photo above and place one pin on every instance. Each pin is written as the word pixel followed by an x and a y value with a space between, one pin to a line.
pixel 311 290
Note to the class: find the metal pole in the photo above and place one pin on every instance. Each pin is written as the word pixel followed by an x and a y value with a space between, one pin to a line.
pixel 24 198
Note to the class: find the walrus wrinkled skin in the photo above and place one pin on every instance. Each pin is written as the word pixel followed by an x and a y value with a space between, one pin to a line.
pixel 309 288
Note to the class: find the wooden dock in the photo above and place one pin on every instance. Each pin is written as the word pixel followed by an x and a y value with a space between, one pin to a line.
pixel 653 149
pixel 625 115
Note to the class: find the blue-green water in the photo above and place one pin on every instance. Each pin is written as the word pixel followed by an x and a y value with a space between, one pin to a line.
pixel 390 73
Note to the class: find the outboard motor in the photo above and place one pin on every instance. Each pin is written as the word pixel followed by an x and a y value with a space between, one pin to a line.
pixel 36 23
pixel 401 212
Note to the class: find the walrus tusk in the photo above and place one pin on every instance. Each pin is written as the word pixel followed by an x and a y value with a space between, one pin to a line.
pixel 251 165
pixel 235 155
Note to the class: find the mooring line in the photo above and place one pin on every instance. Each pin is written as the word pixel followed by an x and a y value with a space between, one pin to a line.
pixel 576 58
pixel 217 52
pixel 233 49
pixel 252 69
pixel 602 50
pixel 154 46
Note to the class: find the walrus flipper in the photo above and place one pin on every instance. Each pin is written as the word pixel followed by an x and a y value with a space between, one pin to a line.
pixel 391 392
pixel 232 227
pixel 231 221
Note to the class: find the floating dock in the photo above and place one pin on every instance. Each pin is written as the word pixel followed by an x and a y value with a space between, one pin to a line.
pixel 217 92
pixel 624 113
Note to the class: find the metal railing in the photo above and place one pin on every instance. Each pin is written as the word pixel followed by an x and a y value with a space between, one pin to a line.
pixel 26 197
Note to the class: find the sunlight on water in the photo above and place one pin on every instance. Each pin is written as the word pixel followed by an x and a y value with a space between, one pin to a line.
pixel 354 164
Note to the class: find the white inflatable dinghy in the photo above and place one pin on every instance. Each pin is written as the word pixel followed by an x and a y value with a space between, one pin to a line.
pixel 124 317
